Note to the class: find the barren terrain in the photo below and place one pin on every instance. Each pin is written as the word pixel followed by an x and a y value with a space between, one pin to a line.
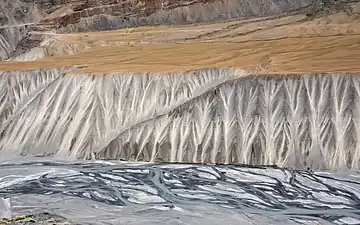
pixel 91 86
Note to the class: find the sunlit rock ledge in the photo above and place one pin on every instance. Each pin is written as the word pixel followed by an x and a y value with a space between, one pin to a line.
pixel 40 219
pixel 204 116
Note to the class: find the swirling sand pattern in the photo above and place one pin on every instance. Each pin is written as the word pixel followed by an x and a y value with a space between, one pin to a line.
pixel 289 195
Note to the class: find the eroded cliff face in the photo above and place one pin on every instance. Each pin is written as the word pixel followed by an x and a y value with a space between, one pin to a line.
pixel 104 15
pixel 15 17
pixel 203 116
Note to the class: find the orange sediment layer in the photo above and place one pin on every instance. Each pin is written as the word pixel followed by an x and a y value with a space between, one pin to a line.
pixel 340 54
pixel 279 45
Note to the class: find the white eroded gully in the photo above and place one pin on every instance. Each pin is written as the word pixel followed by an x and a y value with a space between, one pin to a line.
pixel 204 116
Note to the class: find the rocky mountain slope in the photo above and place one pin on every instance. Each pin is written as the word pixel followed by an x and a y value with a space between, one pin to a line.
pixel 19 18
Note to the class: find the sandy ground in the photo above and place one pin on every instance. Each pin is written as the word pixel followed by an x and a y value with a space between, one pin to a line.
pixel 283 44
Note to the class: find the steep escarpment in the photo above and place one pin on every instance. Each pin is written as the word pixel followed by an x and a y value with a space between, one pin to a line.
pixel 204 116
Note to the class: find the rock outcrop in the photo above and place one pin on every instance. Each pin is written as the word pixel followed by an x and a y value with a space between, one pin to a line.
pixel 39 219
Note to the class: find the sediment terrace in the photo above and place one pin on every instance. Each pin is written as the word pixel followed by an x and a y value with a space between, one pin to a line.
pixel 277 45
pixel 23 24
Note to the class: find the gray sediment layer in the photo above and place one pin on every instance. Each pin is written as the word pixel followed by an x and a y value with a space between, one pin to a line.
pixel 204 116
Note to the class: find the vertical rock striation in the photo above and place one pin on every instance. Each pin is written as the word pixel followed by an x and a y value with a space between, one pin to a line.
pixel 205 116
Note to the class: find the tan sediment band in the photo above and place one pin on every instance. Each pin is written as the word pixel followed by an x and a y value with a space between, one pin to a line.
pixel 335 54
pixel 285 44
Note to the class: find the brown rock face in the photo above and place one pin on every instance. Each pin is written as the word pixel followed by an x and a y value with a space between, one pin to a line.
pixel 83 9
pixel 119 13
